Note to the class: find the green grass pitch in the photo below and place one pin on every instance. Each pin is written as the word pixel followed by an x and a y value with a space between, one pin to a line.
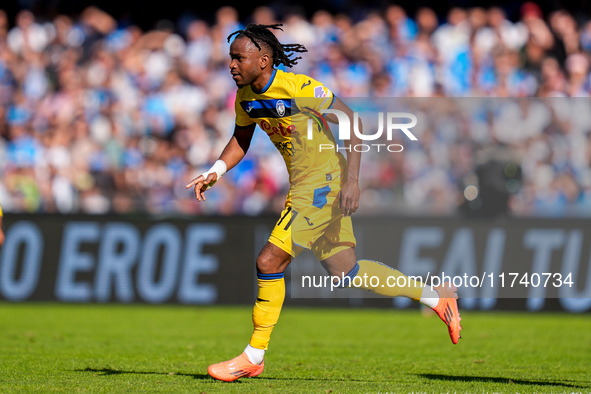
pixel 114 348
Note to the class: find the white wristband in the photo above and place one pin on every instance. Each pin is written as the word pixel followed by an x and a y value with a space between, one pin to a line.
pixel 219 167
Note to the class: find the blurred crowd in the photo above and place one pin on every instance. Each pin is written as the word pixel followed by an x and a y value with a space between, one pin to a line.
pixel 481 156
pixel 99 116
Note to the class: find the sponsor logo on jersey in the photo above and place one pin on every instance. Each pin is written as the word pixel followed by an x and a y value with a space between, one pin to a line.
pixel 285 148
pixel 319 92
pixel 281 129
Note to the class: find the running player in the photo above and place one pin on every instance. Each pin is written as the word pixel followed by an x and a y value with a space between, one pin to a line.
pixel 324 189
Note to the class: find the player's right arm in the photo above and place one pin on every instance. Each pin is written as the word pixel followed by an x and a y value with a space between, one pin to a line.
pixel 230 157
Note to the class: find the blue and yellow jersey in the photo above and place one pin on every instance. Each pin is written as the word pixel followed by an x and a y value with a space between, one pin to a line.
pixel 282 110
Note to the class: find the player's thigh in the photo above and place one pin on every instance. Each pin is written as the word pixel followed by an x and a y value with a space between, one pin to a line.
pixel 281 236
pixel 279 250
pixel 337 240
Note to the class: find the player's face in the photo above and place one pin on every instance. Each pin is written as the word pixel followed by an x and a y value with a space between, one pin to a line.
pixel 245 64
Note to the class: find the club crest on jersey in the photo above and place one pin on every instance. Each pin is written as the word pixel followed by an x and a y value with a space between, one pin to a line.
pixel 280 107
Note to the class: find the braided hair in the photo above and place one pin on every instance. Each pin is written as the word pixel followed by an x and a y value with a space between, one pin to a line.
pixel 262 35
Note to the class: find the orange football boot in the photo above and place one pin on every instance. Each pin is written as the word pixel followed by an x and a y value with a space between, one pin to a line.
pixel 447 310
pixel 238 367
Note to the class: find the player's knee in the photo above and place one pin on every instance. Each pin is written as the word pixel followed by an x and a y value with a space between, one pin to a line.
pixel 265 264
pixel 269 264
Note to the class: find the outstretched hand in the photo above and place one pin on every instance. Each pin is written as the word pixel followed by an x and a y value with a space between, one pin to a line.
pixel 349 198
pixel 201 184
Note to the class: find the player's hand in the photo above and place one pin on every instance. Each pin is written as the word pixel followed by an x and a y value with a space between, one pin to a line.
pixel 201 184
pixel 349 198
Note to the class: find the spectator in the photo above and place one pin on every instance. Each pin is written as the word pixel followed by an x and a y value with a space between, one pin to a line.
pixel 1 229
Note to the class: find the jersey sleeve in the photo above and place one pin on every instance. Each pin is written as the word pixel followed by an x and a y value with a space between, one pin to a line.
pixel 307 87
pixel 242 118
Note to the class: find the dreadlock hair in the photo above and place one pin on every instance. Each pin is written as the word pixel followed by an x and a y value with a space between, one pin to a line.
pixel 262 35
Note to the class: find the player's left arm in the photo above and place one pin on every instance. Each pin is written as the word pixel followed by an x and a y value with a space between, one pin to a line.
pixel 349 195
